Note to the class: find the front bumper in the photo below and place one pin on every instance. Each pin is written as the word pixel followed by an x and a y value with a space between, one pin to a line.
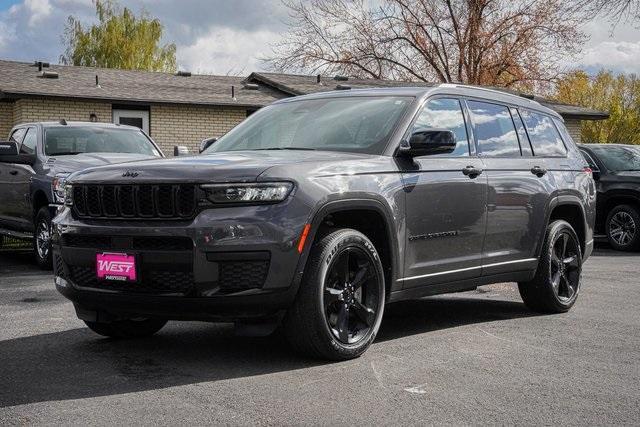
pixel 225 264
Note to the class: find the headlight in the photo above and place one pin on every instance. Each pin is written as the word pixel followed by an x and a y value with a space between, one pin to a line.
pixel 57 186
pixel 263 192
pixel 68 195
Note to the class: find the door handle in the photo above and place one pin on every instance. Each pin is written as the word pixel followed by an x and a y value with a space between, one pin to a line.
pixel 471 171
pixel 538 171
pixel 13 172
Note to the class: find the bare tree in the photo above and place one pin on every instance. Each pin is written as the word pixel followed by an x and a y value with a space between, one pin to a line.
pixel 489 42
pixel 615 10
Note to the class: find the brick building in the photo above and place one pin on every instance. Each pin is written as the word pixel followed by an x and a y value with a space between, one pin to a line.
pixel 180 109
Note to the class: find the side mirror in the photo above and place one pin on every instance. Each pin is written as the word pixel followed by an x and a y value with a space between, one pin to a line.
pixel 8 148
pixel 596 174
pixel 206 143
pixel 429 141
pixel 9 154
pixel 180 150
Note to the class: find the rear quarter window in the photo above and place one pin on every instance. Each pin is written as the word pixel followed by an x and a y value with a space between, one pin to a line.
pixel 543 134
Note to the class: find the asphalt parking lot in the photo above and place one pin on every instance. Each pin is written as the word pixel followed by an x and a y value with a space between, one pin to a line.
pixel 472 358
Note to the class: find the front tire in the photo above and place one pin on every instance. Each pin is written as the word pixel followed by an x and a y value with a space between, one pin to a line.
pixel 129 328
pixel 339 307
pixel 42 239
pixel 556 285
pixel 623 228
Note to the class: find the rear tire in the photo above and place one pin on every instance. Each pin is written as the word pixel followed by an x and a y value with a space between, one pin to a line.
pixel 340 303
pixel 128 328
pixel 556 285
pixel 623 228
pixel 42 239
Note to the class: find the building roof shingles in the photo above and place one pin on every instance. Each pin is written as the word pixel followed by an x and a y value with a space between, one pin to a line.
pixel 19 79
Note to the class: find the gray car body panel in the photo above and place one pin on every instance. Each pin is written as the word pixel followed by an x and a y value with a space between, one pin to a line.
pixel 446 231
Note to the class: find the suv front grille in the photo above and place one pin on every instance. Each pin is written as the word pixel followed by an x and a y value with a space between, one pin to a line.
pixel 139 201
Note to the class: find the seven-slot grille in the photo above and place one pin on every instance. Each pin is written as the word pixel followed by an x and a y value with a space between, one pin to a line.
pixel 140 201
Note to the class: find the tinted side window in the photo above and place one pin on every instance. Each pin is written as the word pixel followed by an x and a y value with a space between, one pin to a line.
pixel 17 135
pixel 494 130
pixel 29 143
pixel 544 136
pixel 589 160
pixel 525 145
pixel 444 113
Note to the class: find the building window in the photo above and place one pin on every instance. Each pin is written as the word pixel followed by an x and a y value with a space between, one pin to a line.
pixel 138 118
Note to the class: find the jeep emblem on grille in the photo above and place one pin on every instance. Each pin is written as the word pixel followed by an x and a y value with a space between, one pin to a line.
pixel 130 174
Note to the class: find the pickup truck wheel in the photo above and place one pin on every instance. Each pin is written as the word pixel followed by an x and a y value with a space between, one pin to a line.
pixel 556 285
pixel 623 228
pixel 42 239
pixel 129 328
pixel 339 307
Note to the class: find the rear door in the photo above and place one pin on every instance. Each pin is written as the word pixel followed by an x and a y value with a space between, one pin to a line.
pixel 445 206
pixel 517 198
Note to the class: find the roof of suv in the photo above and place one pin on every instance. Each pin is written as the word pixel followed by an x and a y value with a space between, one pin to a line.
pixel 422 91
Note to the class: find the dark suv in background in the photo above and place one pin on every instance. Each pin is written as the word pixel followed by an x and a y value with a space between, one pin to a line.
pixel 616 169
pixel 318 210
pixel 37 160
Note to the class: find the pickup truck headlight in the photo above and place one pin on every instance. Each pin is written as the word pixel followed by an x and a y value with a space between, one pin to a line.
pixel 68 195
pixel 58 188
pixel 263 192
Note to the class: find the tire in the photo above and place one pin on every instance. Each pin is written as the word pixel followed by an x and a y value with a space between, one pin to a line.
pixel 332 317
pixel 623 228
pixel 556 285
pixel 127 328
pixel 42 239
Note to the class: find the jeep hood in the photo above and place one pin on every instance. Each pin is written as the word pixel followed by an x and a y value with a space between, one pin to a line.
pixel 77 162
pixel 230 166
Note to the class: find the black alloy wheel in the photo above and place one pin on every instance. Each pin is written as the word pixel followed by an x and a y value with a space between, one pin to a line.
pixel 556 284
pixel 350 299
pixel 340 302
pixel 565 266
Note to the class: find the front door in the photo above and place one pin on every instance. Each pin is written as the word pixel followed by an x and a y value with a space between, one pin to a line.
pixel 14 187
pixel 445 204
pixel 138 118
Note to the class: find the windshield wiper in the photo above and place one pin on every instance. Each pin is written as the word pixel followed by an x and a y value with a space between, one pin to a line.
pixel 286 148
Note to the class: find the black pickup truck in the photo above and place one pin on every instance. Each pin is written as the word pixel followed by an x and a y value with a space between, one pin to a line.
pixel 37 159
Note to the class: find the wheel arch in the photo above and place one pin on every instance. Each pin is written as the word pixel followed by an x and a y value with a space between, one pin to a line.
pixel 39 200
pixel 569 208
pixel 357 214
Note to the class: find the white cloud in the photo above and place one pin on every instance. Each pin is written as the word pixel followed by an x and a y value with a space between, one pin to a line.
pixel 226 51
pixel 38 10
pixel 613 55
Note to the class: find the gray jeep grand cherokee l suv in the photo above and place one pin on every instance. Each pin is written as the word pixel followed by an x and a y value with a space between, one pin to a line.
pixel 318 210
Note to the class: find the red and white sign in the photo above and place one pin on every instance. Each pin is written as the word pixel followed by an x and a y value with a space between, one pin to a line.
pixel 110 266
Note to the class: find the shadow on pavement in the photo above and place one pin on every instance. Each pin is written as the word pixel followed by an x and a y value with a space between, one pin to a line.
pixel 79 364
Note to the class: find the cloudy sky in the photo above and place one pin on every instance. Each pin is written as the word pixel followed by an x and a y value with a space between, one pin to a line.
pixel 229 36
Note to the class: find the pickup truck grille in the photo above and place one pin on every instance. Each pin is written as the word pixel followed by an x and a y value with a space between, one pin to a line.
pixel 140 201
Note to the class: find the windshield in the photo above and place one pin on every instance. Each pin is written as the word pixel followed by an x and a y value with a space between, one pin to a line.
pixel 63 140
pixel 353 124
pixel 617 158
